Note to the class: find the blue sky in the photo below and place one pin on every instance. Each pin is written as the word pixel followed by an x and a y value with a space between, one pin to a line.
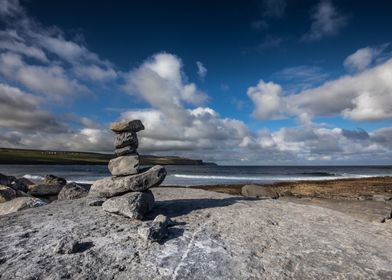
pixel 266 82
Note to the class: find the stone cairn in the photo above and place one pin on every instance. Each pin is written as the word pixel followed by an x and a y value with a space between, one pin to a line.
pixel 127 192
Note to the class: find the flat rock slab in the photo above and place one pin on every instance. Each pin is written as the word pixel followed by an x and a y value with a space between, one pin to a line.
pixel 114 186
pixel 134 205
pixel 125 165
pixel 132 126
pixel 18 204
pixel 216 236
pixel 126 139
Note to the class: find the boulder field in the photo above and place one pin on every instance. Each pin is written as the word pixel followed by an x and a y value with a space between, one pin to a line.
pixel 209 236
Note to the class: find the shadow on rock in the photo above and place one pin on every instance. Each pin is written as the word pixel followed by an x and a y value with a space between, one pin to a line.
pixel 179 207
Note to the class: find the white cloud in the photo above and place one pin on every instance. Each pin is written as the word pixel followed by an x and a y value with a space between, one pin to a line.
pixel 95 73
pixel 267 100
pixel 160 82
pixel 326 21
pixel 201 70
pixel 363 96
pixel 363 58
pixel 51 81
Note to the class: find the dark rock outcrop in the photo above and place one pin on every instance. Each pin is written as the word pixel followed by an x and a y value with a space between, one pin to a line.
pixel 45 190
pixel 6 193
pixel 54 180
pixel 72 191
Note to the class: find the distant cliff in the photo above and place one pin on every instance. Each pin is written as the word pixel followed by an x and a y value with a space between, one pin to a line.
pixel 25 156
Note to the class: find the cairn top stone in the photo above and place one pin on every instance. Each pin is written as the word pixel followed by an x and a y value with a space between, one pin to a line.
pixel 124 126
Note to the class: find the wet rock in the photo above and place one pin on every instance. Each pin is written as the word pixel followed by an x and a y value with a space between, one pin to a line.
pixel 54 180
pixel 156 230
pixel 45 190
pixel 125 165
pixel 132 126
pixel 133 205
pixel 128 150
pixel 126 139
pixel 72 191
pixel 21 184
pixel 6 180
pixel 20 203
pixel 114 186
pixel 6 193
pixel 260 192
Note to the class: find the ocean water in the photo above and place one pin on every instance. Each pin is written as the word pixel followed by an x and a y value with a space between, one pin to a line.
pixel 187 175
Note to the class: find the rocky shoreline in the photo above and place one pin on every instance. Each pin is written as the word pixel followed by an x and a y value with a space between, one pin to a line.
pixel 127 226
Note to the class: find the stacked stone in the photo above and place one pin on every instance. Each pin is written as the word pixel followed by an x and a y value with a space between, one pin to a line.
pixel 127 191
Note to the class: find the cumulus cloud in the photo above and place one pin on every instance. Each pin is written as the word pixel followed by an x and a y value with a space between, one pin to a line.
pixel 267 98
pixel 160 82
pixel 327 21
pixel 201 70
pixel 365 96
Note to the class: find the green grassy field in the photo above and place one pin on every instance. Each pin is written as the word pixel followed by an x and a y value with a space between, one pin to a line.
pixel 20 156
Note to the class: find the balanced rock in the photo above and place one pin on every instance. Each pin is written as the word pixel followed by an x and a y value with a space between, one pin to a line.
pixel 260 192
pixel 126 139
pixel 54 180
pixel 133 126
pixel 133 205
pixel 128 150
pixel 114 186
pixel 6 193
pixel 45 189
pixel 72 191
pixel 125 165
pixel 20 203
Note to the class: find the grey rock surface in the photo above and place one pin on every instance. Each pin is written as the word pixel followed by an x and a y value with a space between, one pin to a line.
pixel 125 165
pixel 6 193
pixel 132 126
pixel 114 186
pixel 54 180
pixel 20 203
pixel 134 205
pixel 260 192
pixel 156 230
pixel 128 150
pixel 44 190
pixel 67 245
pixel 126 139
pixel 72 191
pixel 216 236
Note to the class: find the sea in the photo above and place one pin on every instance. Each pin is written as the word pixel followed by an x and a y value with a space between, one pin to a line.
pixel 190 175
